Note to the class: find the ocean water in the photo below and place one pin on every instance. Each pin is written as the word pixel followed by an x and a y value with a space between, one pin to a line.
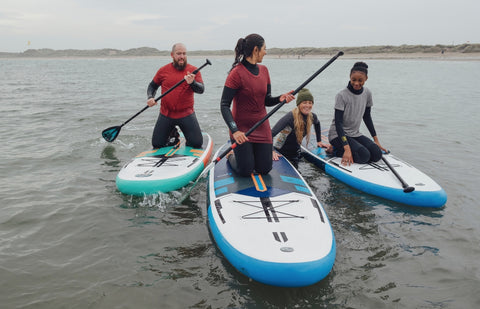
pixel 69 239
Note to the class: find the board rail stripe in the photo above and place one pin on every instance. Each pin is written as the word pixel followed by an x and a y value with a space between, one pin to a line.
pixel 338 165
pixel 317 207
pixel 218 206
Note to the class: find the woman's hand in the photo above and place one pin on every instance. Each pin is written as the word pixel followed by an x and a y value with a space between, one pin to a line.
pixel 323 145
pixel 240 137
pixel 347 158
pixel 288 97
pixel 375 139
pixel 329 149
pixel 151 102
pixel 276 156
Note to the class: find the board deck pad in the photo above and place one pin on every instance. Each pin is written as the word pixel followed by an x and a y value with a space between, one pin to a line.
pixel 270 227
pixel 164 169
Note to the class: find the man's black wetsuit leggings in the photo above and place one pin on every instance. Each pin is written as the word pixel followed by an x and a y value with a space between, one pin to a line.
pixel 189 126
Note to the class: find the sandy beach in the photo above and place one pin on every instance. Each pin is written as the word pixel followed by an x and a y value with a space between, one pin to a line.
pixel 462 52
pixel 447 56
pixel 423 56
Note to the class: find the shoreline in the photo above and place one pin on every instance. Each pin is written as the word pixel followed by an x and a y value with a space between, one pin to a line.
pixel 392 56
pixel 465 51
pixel 448 56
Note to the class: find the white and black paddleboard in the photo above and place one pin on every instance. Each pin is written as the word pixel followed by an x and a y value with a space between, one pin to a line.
pixel 165 169
pixel 271 227
pixel 377 178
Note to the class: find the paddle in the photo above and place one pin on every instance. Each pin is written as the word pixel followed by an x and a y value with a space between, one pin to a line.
pixel 234 145
pixel 406 187
pixel 110 134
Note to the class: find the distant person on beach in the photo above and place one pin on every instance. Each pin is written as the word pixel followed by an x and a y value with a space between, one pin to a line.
pixel 176 108
pixel 248 86
pixel 290 130
pixel 353 104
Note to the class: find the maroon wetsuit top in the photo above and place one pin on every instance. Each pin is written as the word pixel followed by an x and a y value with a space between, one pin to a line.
pixel 249 101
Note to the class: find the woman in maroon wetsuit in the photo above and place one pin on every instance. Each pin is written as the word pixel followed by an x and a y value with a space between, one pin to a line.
pixel 248 86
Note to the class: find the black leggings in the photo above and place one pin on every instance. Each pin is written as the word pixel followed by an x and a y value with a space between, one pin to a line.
pixel 189 126
pixel 250 157
pixel 364 150
pixel 293 157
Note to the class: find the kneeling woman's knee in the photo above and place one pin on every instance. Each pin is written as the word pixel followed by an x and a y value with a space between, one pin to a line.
pixel 264 170
pixel 362 156
pixel 245 172
pixel 375 153
pixel 242 170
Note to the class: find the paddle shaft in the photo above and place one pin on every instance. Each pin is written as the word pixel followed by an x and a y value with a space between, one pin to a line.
pixel 406 187
pixel 256 125
pixel 166 92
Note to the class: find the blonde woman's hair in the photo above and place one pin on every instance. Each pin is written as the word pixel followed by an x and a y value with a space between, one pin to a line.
pixel 299 125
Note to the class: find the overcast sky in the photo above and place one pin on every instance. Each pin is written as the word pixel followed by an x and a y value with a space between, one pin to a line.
pixel 217 24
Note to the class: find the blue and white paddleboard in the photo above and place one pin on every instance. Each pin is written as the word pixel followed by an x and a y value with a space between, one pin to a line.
pixel 271 227
pixel 165 169
pixel 376 178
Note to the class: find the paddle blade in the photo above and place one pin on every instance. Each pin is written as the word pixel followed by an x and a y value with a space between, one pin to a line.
pixel 110 134
pixel 408 189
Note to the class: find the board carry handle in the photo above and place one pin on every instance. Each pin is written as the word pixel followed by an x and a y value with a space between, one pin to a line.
pixel 406 187
pixel 255 126
pixel 110 134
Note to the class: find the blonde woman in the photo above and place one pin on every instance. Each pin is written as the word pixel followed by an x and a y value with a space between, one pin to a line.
pixel 290 130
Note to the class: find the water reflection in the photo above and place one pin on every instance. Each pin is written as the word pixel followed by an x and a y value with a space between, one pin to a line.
pixel 108 153
pixel 372 237
pixel 175 263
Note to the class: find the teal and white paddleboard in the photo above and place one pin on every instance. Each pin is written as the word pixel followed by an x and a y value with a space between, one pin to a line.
pixel 165 169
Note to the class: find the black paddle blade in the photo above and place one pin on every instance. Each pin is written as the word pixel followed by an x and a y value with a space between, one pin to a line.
pixel 110 134
pixel 408 189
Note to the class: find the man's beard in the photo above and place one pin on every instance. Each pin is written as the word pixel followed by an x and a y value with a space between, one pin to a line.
pixel 179 66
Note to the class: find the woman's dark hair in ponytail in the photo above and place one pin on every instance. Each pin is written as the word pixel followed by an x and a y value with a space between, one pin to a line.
pixel 245 47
